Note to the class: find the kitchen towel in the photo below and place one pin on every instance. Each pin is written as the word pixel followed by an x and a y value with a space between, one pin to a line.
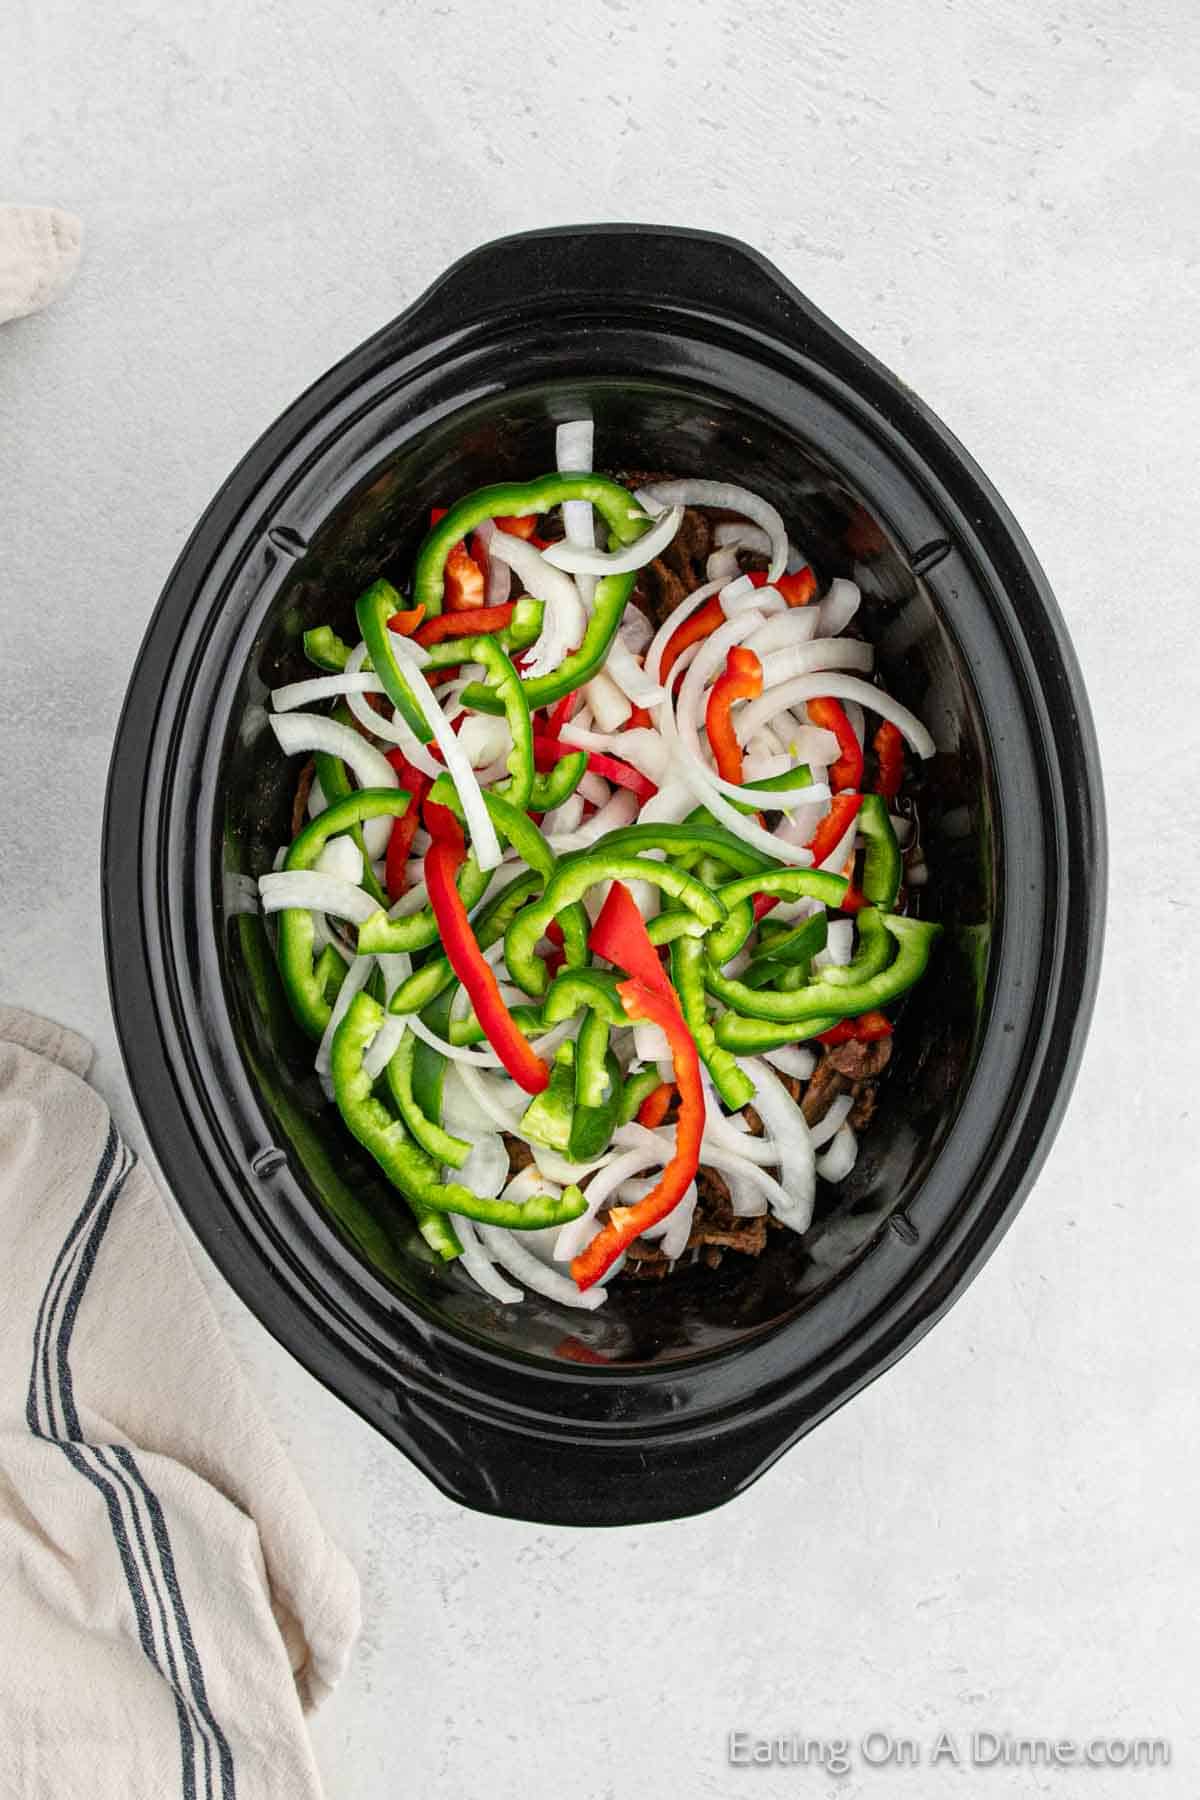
pixel 39 251
pixel 170 1605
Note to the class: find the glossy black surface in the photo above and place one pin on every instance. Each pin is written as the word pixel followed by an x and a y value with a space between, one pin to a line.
pixel 694 355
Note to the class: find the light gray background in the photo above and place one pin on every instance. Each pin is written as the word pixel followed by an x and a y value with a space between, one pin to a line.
pixel 1001 202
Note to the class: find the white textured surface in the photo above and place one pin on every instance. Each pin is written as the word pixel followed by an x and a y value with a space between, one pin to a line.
pixel 1001 202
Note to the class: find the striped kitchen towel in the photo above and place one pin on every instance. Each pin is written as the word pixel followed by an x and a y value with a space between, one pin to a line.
pixel 169 1603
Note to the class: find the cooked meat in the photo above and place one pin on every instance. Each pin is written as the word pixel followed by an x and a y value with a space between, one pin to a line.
pixel 848 1069
pixel 671 577
pixel 859 1062
pixel 866 1098
pixel 823 1089
pixel 520 1155
pixel 303 789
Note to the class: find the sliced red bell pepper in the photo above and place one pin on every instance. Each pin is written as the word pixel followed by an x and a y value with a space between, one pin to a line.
pixel 467 623
pixel 701 624
pixel 443 826
pixel 888 745
pixel 797 589
pixel 463 581
pixel 656 1105
pixel 404 828
pixel 865 1029
pixel 405 623
pixel 742 680
pixel 561 711
pixel 847 771
pixel 628 1222
pixel 833 826
pixel 524 526
pixel 547 751
pixel 639 718
pixel 461 946
pixel 620 937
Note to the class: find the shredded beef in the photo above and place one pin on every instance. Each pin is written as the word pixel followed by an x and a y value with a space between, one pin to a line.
pixel 520 1156
pixel 303 790
pixel 860 1062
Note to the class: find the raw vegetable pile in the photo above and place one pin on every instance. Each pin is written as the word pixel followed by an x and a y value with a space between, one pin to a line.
pixel 573 881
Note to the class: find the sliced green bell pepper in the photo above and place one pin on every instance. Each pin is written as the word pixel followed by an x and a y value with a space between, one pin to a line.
pixel 506 684
pixel 914 940
pixel 436 1142
pixel 373 610
pixel 871 955
pixel 788 884
pixel 638 1087
pixel 324 648
pixel 688 960
pixel 882 862
pixel 402 1160
pixel 547 1118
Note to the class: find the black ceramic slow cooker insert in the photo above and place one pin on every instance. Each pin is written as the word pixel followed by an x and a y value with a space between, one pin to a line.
pixel 693 355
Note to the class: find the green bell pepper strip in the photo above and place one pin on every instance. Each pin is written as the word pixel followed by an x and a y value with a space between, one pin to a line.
pixel 428 1133
pixel 573 989
pixel 380 934
pixel 489 924
pixel 516 499
pixel 592 1124
pixel 402 1160
pixel 637 1088
pixel 882 862
pixel 373 610
pixel 871 956
pixel 572 881
pixel 592 1086
pixel 788 884
pixel 326 650
pixel 305 983
pixel 678 841
pixel 800 776
pixel 335 785
pixel 796 946
pixel 468 1030
pixel 750 1037
pixel 914 940
pixel 524 627
pixel 547 1118
pixel 552 786
pixel 429 1065
pixel 688 960
pixel 575 670
pixel 329 972
pixel 506 684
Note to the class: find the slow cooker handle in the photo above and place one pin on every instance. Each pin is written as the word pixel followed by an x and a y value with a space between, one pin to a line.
pixel 611 266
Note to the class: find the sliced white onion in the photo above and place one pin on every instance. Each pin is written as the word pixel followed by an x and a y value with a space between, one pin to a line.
pixel 563 819
pixel 486 1168
pixel 578 559
pixel 484 842
pixel 820 653
pixel 300 731
pixel 671 624
pixel 564 619
pixel 511 1254
pixel 839 945
pixel 341 856
pixel 498 578
pixel 621 810
pixel 395 730
pixel 395 968
pixel 836 861
pixel 785 1124
pixel 651 1042
pixel 610 706
pixel 798 625
pixel 825 1129
pixel 641 748
pixel 485 738
pixel 473 1101
pixel 623 667
pixel 722 564
pixel 730 499
pixel 574 449
pixel 839 606
pixel 635 630
pixel 315 892
pixel 751 538
pixel 792 1059
pixel 478 1264
pixel 840 1157
pixel 317 803
pixel 355 979
pixel 839 687
pixel 324 687
pixel 671 1233
pixel 577 1233
pixel 594 788
pixel 670 806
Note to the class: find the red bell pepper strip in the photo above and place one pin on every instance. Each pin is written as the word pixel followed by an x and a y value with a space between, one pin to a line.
pixel 404 828
pixel 522 526
pixel 547 751
pixel 797 589
pixel 702 623
pixel 561 711
pixel 463 580
pixel 620 937
pixel 742 680
pixel 639 717
pixel 656 1105
pixel 888 745
pixel 405 623
pixel 833 826
pixel 461 946
pixel 847 771
pixel 467 623
pixel 443 826
pixel 627 1222
pixel 865 1029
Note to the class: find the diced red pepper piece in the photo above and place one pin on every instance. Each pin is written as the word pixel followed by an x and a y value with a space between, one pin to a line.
pixel 847 771
pixel 561 711
pixel 628 1222
pixel 461 946
pixel 656 1105
pixel 833 826
pixel 524 526
pixel 620 937
pixel 701 624
pixel 865 1029
pixel 547 751
pixel 463 580
pixel 742 680
pixel 888 745
pixel 405 623
pixel 481 620
pixel 797 589
pixel 638 718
